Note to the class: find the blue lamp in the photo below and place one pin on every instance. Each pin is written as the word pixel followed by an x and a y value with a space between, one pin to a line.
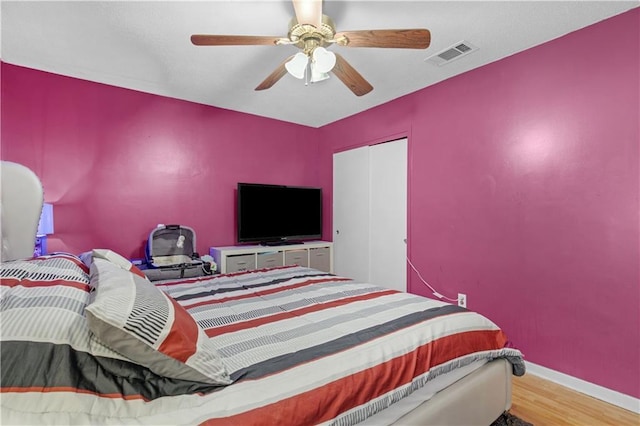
pixel 45 227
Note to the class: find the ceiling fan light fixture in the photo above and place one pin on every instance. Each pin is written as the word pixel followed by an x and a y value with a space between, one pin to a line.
pixel 317 76
pixel 323 60
pixel 297 65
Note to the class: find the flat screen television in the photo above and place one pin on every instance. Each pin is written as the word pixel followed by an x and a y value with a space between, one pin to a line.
pixel 278 214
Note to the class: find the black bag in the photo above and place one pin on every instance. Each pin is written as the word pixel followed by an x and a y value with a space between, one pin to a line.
pixel 171 253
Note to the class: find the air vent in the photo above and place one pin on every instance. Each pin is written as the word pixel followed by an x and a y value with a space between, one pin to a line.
pixel 452 53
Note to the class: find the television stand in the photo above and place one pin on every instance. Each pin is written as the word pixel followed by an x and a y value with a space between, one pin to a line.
pixel 280 243
pixel 315 254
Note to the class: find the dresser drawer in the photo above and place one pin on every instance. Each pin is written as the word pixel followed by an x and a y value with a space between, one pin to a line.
pixel 296 257
pixel 320 259
pixel 243 262
pixel 269 260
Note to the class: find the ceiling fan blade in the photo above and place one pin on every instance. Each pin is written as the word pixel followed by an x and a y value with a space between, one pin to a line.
pixel 404 39
pixel 308 12
pixel 350 77
pixel 276 75
pixel 232 40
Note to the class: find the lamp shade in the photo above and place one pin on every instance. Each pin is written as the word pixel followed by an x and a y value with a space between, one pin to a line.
pixel 317 76
pixel 323 60
pixel 45 226
pixel 297 65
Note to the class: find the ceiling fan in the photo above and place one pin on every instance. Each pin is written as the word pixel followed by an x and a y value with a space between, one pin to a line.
pixel 312 32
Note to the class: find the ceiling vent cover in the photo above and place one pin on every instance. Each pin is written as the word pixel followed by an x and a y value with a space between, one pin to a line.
pixel 452 53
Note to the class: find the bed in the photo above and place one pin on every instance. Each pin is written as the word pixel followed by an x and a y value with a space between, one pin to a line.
pixel 88 339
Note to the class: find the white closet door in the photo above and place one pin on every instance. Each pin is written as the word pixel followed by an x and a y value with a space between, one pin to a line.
pixel 370 214
pixel 388 214
pixel 351 213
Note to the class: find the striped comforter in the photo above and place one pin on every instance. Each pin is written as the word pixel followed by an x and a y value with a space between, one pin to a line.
pixel 302 346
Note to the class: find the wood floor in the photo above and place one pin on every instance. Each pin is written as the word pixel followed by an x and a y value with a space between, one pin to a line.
pixel 542 402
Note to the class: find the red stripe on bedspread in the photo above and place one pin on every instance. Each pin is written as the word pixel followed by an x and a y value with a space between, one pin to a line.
pixel 264 292
pixel 71 389
pixel 216 331
pixel 69 257
pixel 329 401
pixel 12 282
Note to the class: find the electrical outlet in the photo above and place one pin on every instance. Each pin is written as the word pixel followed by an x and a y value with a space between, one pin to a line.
pixel 462 300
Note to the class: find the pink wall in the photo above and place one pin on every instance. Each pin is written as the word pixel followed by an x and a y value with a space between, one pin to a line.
pixel 524 194
pixel 116 162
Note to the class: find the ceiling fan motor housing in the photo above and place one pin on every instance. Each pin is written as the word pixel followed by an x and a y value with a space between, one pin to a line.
pixel 308 37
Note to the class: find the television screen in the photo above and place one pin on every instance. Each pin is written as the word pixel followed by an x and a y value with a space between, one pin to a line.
pixel 276 214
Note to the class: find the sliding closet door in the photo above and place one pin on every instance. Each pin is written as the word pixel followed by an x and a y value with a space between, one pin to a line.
pixel 388 214
pixel 370 213
pixel 351 213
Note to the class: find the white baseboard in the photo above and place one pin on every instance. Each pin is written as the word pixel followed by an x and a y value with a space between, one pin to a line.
pixel 612 397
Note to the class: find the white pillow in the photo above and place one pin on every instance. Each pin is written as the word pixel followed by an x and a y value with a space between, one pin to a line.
pixel 116 259
pixel 139 321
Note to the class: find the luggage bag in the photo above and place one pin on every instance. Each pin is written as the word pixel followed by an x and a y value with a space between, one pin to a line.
pixel 171 253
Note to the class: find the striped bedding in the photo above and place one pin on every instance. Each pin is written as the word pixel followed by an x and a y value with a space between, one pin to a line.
pixel 301 346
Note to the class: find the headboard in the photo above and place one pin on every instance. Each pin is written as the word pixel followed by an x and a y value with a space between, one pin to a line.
pixel 21 198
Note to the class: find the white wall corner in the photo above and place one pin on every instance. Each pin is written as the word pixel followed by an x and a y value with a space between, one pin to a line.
pixel 596 391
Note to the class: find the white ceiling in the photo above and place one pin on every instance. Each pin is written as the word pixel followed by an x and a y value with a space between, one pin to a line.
pixel 145 46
